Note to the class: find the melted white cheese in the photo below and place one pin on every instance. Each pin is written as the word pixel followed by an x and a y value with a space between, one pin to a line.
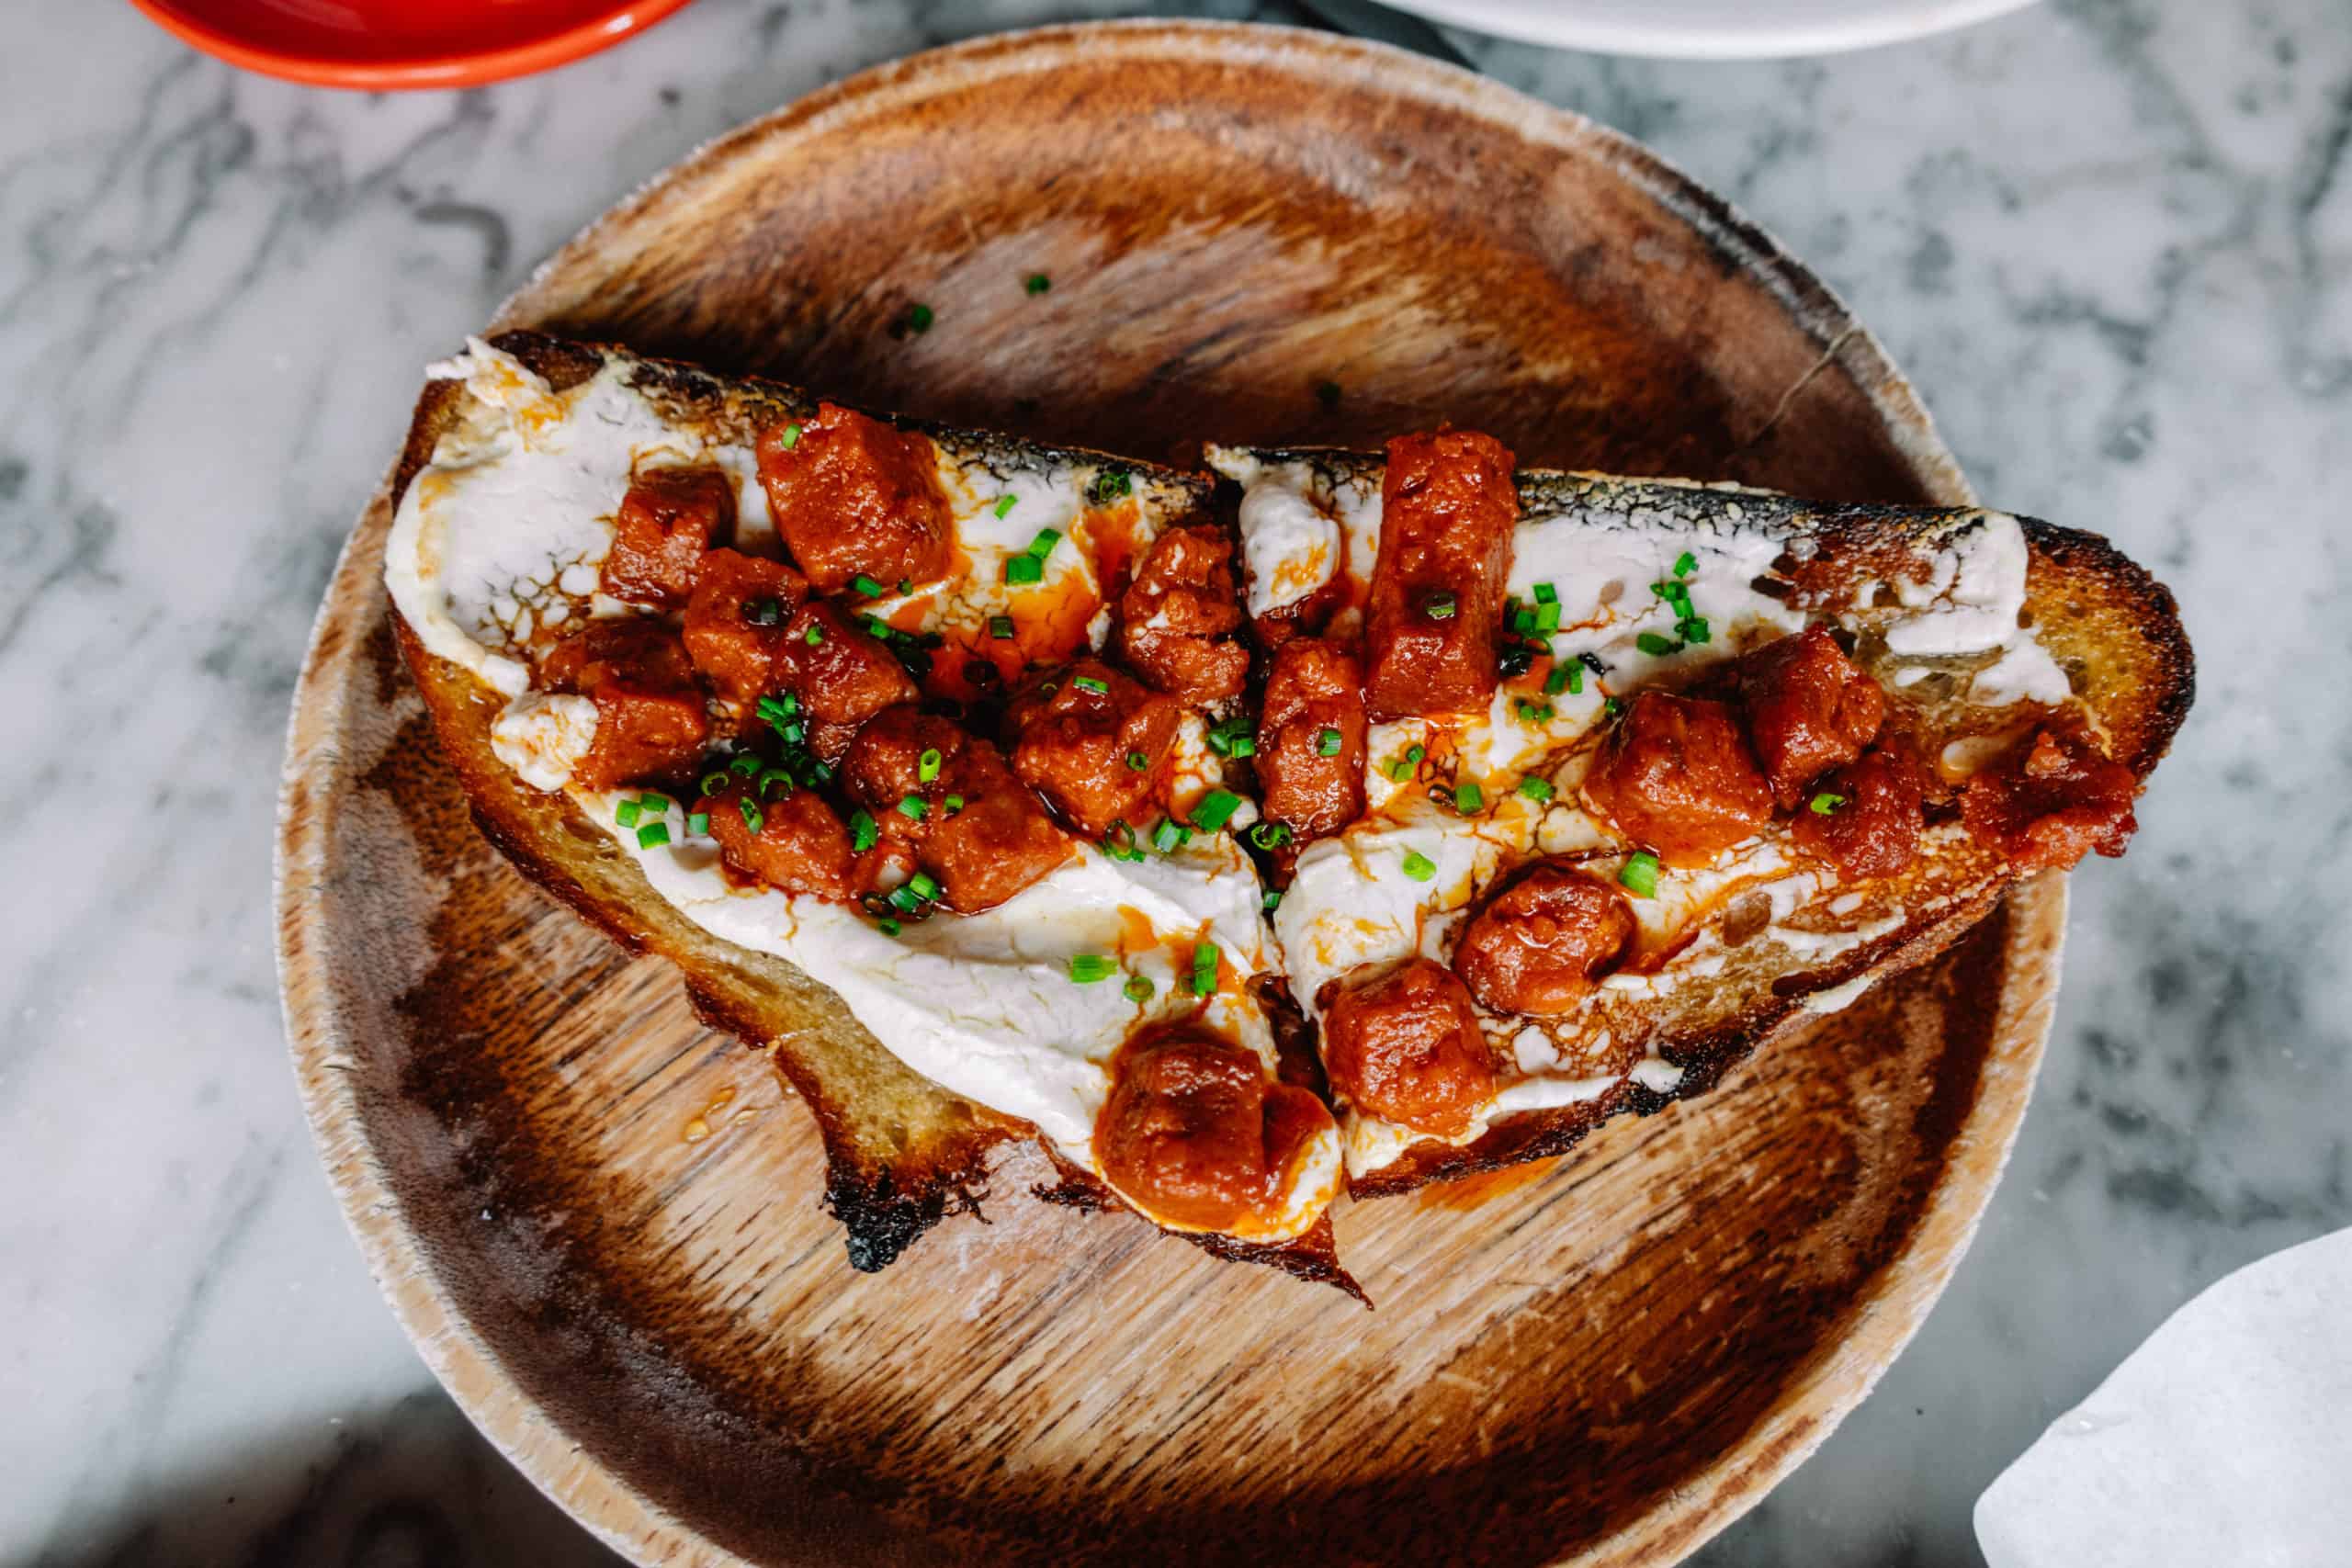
pixel 542 736
pixel 983 1005
pixel 504 529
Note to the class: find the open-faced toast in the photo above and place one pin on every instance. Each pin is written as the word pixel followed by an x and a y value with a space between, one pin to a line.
pixel 948 768
pixel 1650 632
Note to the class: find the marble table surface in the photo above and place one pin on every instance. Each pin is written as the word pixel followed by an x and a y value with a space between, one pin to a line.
pixel 2110 240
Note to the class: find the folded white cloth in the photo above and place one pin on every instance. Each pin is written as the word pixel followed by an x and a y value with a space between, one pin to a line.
pixel 2225 1440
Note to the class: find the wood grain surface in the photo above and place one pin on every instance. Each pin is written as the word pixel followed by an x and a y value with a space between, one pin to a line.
pixel 599 1220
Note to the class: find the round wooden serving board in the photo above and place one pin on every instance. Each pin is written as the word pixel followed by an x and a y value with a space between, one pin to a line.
pixel 599 1220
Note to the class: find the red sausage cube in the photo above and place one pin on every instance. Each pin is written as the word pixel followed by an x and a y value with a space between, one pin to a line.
pixel 1810 709
pixel 667 520
pixel 1676 777
pixel 1448 507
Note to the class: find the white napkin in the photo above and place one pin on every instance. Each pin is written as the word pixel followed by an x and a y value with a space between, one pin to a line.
pixel 2226 1440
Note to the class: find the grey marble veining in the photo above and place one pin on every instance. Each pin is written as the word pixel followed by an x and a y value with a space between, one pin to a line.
pixel 2110 241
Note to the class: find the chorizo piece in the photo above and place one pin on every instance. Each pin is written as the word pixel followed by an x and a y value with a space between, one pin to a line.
pixel 1448 507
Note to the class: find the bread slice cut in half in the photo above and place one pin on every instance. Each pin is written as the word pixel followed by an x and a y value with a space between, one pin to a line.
pixel 1633 773
pixel 1348 821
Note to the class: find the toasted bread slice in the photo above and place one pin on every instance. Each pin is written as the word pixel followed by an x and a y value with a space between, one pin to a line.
pixel 902 1152
pixel 1978 628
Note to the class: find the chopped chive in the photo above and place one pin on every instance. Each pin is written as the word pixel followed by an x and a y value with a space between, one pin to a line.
pixel 1547 594
pixel 1169 836
pixel 764 612
pixel 1215 809
pixel 1326 743
pixel 1685 564
pixel 1656 646
pixel 905 899
pixel 765 784
pixel 863 832
pixel 1826 802
pixel 1547 617
pixel 1109 485
pixel 1037 282
pixel 1138 762
pixel 744 764
pixel 1137 988
pixel 952 805
pixel 1022 568
pixel 1414 753
pixel 754 818
pixel 1563 677
pixel 1419 866
pixel 791 435
pixel 888 926
pixel 1437 606
pixel 866 586
pixel 654 835
pixel 1399 771
pixel 927 765
pixel 923 888
pixel 698 822
pixel 1535 789
pixel 1612 706
pixel 1694 630
pixel 626 814
pixel 1085 968
pixel 1002 628
pixel 1522 620
pixel 1639 875
pixel 1119 843
pixel 914 808
pixel 815 634
pixel 919 319
pixel 1271 901
pixel 1091 683
pixel 1043 545
pixel 714 781
pixel 1270 835
pixel 1467 799
pixel 1534 713
pixel 1204 969
pixel 1005 503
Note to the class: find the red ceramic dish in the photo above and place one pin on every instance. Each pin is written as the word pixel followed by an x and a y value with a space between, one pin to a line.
pixel 377 44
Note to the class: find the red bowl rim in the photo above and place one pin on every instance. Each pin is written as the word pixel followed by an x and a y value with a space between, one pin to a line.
pixel 456 70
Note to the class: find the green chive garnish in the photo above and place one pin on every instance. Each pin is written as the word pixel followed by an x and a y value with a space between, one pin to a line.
pixel 1685 564
pixel 698 822
pixel 1414 753
pixel 1694 631
pixel 1204 969
pixel 952 805
pixel 1399 771
pixel 866 586
pixel 654 835
pixel 888 926
pixel 914 808
pixel 754 818
pixel 863 832
pixel 1563 677
pixel 1137 988
pixel 764 612
pixel 1215 809
pixel 1271 901
pixel 1091 683
pixel 1270 835
pixel 714 781
pixel 816 634
pixel 1467 799
pixel 923 886
pixel 1640 875
pixel 743 763
pixel 1419 866
pixel 1535 789
pixel 626 814
pixel 1654 644
pixel 1547 594
pixel 1439 606
pixel 791 436
pixel 1043 545
pixel 1085 968
pixel 919 319
pixel 1109 485
pixel 927 765
pixel 1825 803
pixel 1534 713
pixel 1169 836
pixel 1002 628
pixel 1005 503
pixel 1023 569
pixel 1138 762
pixel 1326 743
pixel 1038 283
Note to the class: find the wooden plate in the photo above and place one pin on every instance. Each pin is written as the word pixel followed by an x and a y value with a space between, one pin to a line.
pixel 599 1221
